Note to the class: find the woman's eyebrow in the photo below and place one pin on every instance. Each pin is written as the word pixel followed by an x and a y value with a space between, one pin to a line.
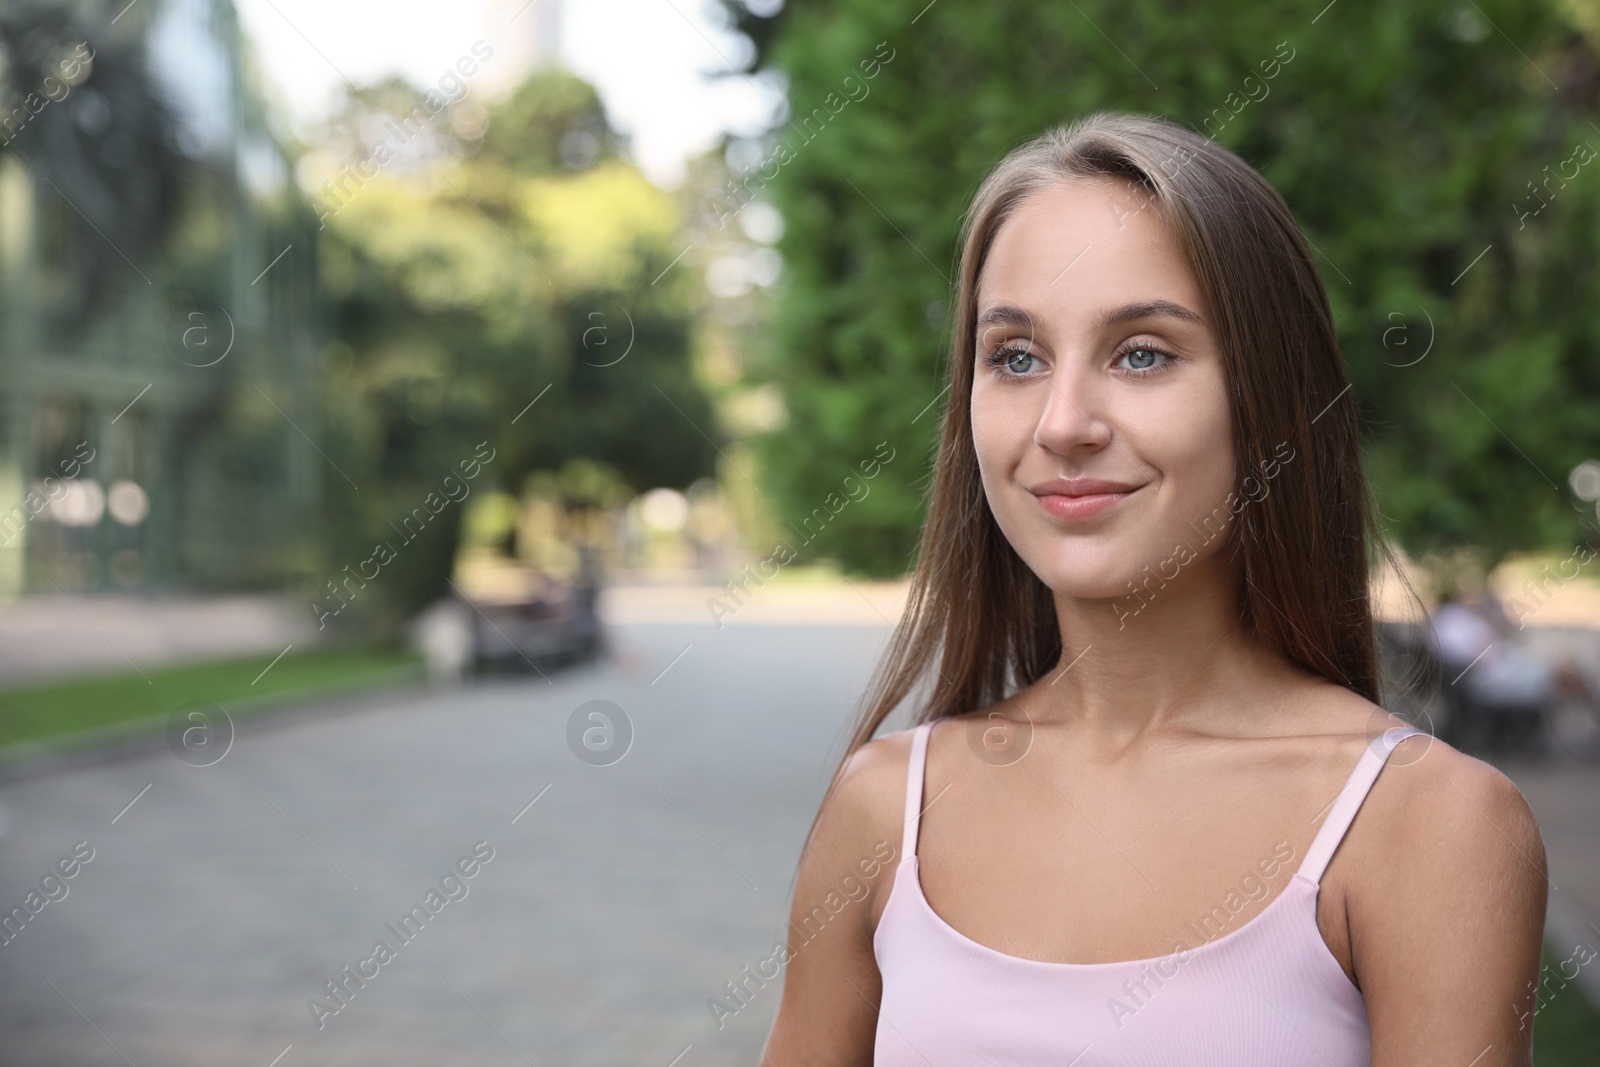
pixel 1005 315
pixel 1147 309
pixel 1008 315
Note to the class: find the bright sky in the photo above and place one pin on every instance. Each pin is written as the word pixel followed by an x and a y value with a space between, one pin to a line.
pixel 645 56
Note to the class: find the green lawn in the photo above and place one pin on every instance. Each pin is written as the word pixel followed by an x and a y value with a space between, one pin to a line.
pixel 55 709
pixel 1566 1031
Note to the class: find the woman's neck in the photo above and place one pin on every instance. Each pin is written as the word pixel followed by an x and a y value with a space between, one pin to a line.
pixel 1185 656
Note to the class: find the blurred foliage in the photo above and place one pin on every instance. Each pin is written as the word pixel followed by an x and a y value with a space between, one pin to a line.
pixel 135 229
pixel 489 293
pixel 555 124
pixel 1404 136
pixel 79 104
pixel 492 286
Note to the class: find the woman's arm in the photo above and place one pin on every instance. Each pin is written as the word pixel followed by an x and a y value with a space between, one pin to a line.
pixel 1446 914
pixel 829 1014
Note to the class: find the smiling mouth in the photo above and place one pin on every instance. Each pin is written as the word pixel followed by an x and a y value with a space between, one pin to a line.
pixel 1082 506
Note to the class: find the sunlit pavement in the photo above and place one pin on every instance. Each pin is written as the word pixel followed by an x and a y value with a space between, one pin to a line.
pixel 220 899
pixel 612 910
pixel 46 636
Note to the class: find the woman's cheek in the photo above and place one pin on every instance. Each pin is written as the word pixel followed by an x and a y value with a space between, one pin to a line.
pixel 994 442
pixel 995 463
pixel 983 435
pixel 1208 473
pixel 1194 436
pixel 1002 423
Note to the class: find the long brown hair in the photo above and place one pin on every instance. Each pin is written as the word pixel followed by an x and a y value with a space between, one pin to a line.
pixel 978 622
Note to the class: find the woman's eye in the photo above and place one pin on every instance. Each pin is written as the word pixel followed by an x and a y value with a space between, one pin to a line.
pixel 1018 362
pixel 1142 359
pixel 1015 361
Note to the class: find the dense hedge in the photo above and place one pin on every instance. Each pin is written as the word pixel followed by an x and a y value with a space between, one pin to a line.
pixel 1409 137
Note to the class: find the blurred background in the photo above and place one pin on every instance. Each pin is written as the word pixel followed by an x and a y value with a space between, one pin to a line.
pixel 499 428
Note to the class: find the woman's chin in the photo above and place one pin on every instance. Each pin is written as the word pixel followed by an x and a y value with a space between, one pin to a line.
pixel 1084 586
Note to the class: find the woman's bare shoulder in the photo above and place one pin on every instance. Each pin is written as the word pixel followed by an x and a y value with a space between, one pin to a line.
pixel 1439 805
pixel 1445 888
pixel 1427 789
pixel 860 827
pixel 832 982
pixel 869 796
pixel 1437 824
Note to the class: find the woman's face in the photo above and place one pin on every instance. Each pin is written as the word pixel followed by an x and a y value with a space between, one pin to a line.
pixel 1099 401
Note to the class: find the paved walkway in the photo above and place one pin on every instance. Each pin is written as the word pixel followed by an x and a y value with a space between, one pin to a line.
pixel 618 901
pixel 55 635
pixel 52 635
pixel 224 897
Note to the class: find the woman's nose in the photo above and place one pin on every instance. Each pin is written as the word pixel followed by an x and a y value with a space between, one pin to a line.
pixel 1073 416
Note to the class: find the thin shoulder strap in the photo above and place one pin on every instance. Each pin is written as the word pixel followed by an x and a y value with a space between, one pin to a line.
pixel 1349 801
pixel 914 775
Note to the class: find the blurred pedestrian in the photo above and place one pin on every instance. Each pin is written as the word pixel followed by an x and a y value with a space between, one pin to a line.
pixel 443 633
pixel 1488 656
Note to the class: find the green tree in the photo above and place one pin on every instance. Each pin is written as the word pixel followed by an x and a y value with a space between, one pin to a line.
pixel 1405 136
pixel 80 105
pixel 490 282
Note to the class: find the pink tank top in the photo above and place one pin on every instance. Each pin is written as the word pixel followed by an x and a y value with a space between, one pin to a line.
pixel 1268 993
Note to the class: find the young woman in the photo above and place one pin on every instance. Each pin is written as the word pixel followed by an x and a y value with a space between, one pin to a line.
pixel 1142 820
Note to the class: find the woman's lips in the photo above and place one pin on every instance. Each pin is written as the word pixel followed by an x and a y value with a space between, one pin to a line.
pixel 1078 508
